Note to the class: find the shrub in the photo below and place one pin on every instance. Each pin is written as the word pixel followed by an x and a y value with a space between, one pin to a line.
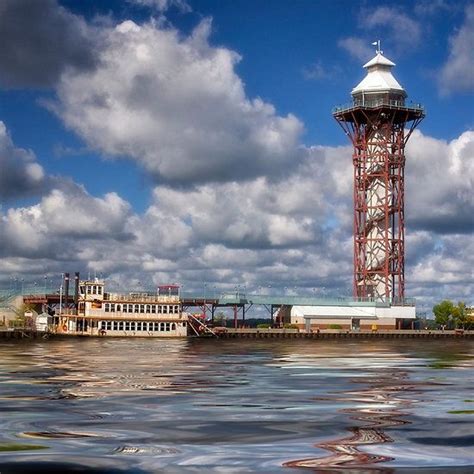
pixel 334 326
pixel 263 326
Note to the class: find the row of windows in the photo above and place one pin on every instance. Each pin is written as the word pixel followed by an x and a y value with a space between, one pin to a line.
pixel 136 326
pixel 92 289
pixel 141 308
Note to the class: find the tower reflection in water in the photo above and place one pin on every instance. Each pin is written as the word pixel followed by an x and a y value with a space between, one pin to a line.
pixel 346 452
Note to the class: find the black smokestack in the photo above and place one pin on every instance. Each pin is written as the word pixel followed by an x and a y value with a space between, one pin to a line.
pixel 76 292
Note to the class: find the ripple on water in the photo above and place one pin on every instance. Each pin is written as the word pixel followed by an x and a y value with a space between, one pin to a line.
pixel 235 406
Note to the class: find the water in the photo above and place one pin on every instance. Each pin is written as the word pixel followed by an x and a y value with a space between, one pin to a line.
pixel 124 405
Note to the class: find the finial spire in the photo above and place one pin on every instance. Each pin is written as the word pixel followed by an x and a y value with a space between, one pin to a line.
pixel 378 50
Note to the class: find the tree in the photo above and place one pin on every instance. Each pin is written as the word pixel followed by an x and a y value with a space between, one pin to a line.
pixel 460 316
pixel 443 312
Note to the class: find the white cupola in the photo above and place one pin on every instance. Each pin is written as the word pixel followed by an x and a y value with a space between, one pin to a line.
pixel 379 82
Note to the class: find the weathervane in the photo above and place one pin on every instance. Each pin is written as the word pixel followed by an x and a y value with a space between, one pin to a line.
pixel 378 50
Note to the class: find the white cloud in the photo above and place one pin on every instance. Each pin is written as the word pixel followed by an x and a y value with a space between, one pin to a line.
pixel 402 30
pixel 176 106
pixel 20 173
pixel 457 74
pixel 55 226
pixel 445 202
pixel 398 30
pixel 357 47
pixel 318 71
pixel 163 5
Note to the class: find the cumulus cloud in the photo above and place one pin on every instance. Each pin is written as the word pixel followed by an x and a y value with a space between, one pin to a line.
pixel 163 5
pixel 21 174
pixel 176 106
pixel 292 234
pixel 445 202
pixel 62 219
pixel 40 40
pixel 457 74
pixel 356 47
pixel 391 23
pixel 402 29
pixel 446 271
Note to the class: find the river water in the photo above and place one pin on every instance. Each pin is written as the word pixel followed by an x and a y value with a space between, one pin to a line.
pixel 148 405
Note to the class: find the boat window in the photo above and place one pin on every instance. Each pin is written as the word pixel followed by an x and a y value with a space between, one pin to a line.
pixel 184 324
pixel 100 325
pixel 139 325
pixel 118 308
pixel 107 308
pixel 115 325
pixel 153 308
pixel 177 309
pixel 99 290
pixel 132 325
pixel 127 325
pixel 120 325
pixel 159 309
pixel 147 308
pixel 112 307
pixel 109 325
pixel 165 309
pixel 156 327
pixel 167 326
pixel 142 308
pixel 137 308
pixel 173 327
pixel 88 290
pixel 124 309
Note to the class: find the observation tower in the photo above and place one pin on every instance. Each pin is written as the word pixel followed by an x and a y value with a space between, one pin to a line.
pixel 379 123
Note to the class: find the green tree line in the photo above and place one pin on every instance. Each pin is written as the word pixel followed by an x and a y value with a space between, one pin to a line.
pixel 451 315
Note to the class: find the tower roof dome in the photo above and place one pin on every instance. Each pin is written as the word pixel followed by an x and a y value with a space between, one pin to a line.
pixel 379 77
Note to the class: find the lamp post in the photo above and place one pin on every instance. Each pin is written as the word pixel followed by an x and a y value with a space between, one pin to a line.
pixel 61 295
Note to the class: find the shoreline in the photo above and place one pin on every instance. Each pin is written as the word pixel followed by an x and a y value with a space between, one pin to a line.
pixel 230 333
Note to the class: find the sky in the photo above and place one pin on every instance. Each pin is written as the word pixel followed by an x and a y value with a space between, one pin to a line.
pixel 192 142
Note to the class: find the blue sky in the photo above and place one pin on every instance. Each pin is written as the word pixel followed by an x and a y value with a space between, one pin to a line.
pixel 264 124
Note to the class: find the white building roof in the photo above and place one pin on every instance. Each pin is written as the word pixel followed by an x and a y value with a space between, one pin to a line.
pixel 333 311
pixel 379 77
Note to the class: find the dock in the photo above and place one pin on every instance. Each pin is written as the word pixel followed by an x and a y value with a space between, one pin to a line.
pixel 344 334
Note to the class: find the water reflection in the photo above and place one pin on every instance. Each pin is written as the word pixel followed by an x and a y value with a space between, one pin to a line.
pixel 234 406
pixel 383 392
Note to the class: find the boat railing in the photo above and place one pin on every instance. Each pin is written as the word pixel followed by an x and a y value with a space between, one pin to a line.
pixel 140 298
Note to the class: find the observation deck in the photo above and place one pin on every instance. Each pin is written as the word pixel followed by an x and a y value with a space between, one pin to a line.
pixel 360 111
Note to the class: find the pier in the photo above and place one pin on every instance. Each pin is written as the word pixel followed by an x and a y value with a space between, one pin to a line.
pixel 227 333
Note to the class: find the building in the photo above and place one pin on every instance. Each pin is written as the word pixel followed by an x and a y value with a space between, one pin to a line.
pixel 354 315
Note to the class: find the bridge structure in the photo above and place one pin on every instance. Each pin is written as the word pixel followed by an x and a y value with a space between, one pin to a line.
pixel 241 303
pixel 206 303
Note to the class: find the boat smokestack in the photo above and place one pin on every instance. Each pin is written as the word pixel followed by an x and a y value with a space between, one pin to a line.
pixel 66 288
pixel 76 292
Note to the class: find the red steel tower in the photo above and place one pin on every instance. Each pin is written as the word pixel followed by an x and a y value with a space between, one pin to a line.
pixel 379 124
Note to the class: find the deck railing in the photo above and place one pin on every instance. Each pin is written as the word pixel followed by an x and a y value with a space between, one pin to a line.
pixel 371 104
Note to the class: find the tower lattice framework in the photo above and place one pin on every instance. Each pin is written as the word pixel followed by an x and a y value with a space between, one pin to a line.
pixel 379 124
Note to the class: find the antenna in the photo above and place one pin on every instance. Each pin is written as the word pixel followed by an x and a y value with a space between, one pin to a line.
pixel 378 50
